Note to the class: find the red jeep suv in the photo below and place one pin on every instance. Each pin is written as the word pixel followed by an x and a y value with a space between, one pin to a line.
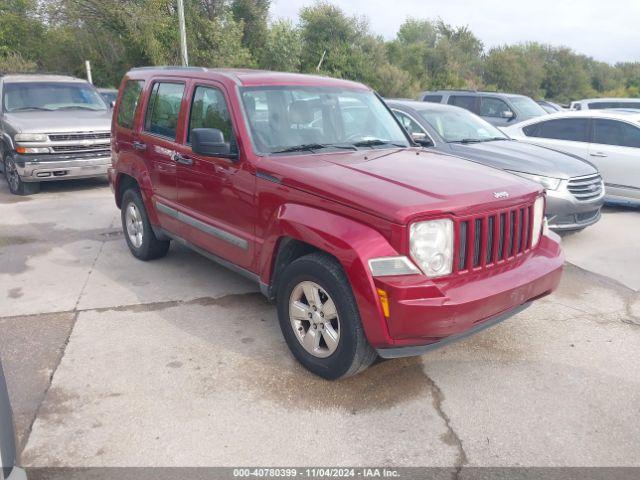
pixel 308 185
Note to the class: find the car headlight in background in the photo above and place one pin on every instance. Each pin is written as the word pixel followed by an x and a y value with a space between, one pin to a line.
pixel 538 215
pixel 431 245
pixel 549 183
pixel 30 137
pixel 33 150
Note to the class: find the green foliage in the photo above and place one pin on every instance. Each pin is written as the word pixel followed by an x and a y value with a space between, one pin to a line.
pixel 115 35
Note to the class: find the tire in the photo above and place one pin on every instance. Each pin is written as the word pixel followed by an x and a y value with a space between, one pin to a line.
pixel 16 185
pixel 331 360
pixel 140 238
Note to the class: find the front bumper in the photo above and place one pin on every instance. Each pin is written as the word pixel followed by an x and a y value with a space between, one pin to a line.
pixel 42 168
pixel 424 313
pixel 566 212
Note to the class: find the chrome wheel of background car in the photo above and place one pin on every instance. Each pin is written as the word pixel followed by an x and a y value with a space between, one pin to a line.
pixel 314 319
pixel 135 227
pixel 11 173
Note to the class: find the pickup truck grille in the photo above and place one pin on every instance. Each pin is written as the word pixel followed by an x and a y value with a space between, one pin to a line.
pixel 586 188
pixel 66 137
pixel 80 148
pixel 492 239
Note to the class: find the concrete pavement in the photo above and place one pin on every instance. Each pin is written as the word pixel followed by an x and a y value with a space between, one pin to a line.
pixel 178 362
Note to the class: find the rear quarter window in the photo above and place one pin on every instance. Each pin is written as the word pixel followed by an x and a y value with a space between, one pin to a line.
pixel 432 98
pixel 129 103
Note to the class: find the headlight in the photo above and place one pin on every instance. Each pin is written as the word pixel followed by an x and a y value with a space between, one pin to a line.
pixel 33 150
pixel 30 137
pixel 386 266
pixel 549 183
pixel 431 245
pixel 538 215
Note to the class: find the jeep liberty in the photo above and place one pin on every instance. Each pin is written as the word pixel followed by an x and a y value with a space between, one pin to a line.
pixel 369 245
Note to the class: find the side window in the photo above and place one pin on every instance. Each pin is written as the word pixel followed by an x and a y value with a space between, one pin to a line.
pixel 611 132
pixel 209 110
pixel 432 98
pixel 163 109
pixel 574 129
pixel 408 123
pixel 465 101
pixel 493 107
pixel 129 103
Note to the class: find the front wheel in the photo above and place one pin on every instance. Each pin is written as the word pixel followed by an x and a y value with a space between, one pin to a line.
pixel 16 185
pixel 138 233
pixel 319 318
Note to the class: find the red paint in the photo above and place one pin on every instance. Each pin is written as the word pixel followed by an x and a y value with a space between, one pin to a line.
pixel 353 205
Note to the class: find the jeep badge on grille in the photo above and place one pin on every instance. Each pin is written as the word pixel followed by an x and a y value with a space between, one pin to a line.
pixel 501 194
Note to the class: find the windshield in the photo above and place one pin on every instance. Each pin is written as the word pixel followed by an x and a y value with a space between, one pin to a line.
pixel 24 96
pixel 527 107
pixel 459 125
pixel 291 118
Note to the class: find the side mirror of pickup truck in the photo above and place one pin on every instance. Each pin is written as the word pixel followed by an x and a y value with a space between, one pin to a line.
pixel 421 139
pixel 209 142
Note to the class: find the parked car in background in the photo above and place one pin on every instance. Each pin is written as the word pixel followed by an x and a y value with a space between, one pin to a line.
pixel 605 103
pixel 8 456
pixel 575 191
pixel 496 108
pixel 550 107
pixel 52 127
pixel 607 138
pixel 310 187
pixel 109 95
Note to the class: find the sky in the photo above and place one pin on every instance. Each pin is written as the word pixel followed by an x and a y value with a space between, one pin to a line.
pixel 606 30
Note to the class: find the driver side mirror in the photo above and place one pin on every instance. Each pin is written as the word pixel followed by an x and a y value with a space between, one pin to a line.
pixel 508 114
pixel 209 142
pixel 421 139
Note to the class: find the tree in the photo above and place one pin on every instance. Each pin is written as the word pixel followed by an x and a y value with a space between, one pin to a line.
pixel 283 48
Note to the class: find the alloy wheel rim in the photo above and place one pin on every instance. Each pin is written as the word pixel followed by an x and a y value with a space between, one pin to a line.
pixel 314 319
pixel 133 222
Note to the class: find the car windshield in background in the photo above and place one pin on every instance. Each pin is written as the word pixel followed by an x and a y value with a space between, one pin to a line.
pixel 26 96
pixel 297 119
pixel 459 125
pixel 527 107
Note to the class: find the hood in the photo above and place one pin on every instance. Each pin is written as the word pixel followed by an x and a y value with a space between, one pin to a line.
pixel 59 122
pixel 400 185
pixel 524 157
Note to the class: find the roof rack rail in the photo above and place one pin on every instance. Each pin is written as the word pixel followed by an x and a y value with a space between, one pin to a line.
pixel 170 67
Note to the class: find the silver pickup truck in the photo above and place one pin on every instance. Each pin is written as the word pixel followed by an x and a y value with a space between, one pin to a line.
pixel 52 127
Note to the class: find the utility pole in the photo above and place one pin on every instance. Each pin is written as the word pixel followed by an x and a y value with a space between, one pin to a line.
pixel 87 66
pixel 183 35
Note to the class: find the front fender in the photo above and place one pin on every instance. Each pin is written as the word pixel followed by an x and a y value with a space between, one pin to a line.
pixel 350 242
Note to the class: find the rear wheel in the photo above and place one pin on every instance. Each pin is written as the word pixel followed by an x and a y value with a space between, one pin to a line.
pixel 138 233
pixel 320 320
pixel 16 185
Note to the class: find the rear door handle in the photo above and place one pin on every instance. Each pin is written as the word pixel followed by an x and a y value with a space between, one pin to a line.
pixel 139 145
pixel 598 154
pixel 182 159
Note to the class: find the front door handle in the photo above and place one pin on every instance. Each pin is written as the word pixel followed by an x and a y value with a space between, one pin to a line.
pixel 598 154
pixel 139 145
pixel 182 159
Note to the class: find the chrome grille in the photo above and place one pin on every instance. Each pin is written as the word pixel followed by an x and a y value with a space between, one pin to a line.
pixel 80 148
pixel 586 188
pixel 66 137
pixel 494 238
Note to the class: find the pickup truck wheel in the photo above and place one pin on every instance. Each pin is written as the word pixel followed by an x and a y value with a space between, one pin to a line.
pixel 138 233
pixel 16 185
pixel 320 320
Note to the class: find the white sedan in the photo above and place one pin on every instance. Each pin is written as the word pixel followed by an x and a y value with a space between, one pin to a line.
pixel 607 138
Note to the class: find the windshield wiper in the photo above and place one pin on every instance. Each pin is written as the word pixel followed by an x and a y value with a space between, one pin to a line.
pixel 73 107
pixel 495 139
pixel 376 142
pixel 310 147
pixel 23 109
pixel 466 140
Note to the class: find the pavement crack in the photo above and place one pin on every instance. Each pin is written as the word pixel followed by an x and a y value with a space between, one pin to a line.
pixel 450 437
